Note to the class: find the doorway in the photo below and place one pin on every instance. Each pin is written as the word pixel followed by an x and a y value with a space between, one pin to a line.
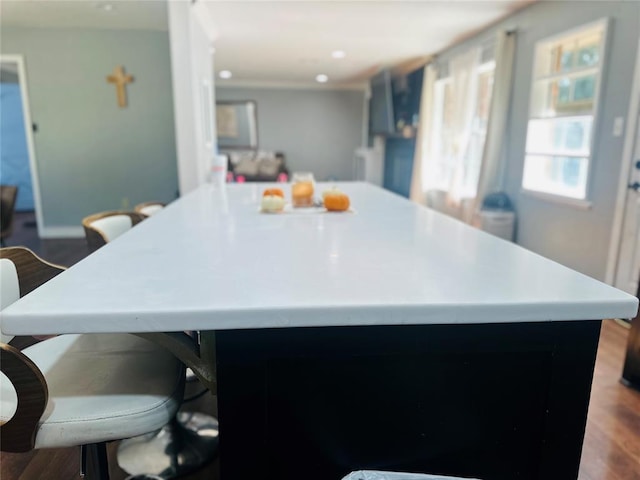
pixel 17 155
pixel 627 262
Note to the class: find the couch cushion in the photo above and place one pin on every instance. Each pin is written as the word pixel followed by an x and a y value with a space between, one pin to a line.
pixel 247 167
pixel 269 167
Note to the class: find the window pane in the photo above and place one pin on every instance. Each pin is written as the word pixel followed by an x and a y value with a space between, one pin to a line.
pixel 557 175
pixel 560 136
pixel 568 54
pixel 588 56
pixel 566 60
pixel 584 88
pixel 561 113
pixel 566 95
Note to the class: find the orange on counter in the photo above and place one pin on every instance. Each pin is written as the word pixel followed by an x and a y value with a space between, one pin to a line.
pixel 336 201
pixel 273 191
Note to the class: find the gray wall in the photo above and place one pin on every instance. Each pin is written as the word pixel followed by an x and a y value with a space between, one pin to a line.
pixel 91 154
pixel 577 238
pixel 317 130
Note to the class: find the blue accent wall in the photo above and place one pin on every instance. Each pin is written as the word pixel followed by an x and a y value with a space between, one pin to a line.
pixel 398 165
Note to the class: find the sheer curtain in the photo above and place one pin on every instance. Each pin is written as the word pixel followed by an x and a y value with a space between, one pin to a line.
pixel 419 178
pixel 442 164
pixel 465 90
pixel 456 164
pixel 492 168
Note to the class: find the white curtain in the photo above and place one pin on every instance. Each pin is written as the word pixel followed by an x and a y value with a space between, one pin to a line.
pixel 491 172
pixel 428 167
pixel 425 134
pixel 465 89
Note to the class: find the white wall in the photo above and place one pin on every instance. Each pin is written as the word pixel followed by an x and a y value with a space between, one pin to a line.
pixel 93 155
pixel 318 130
pixel 194 95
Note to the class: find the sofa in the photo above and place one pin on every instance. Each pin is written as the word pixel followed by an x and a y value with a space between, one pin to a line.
pixel 256 166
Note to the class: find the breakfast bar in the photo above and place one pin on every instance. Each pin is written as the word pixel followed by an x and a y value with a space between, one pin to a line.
pixel 385 337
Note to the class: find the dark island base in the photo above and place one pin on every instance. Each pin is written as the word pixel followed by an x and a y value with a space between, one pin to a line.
pixel 492 401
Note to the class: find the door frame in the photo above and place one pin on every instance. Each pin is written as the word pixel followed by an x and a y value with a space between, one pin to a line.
pixel 625 174
pixel 26 113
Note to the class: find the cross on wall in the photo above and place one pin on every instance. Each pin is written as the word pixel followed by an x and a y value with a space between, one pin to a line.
pixel 120 79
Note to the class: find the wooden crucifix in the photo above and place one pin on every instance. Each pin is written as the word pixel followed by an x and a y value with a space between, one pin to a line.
pixel 120 80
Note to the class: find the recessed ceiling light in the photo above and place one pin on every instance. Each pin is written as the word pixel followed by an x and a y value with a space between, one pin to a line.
pixel 338 54
pixel 322 78
pixel 225 74
pixel 107 7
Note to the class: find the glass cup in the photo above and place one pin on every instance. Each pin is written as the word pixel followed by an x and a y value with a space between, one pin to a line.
pixel 302 189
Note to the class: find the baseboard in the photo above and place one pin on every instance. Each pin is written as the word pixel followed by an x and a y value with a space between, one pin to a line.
pixel 623 322
pixel 62 232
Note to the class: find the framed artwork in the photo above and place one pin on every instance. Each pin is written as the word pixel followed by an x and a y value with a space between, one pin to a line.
pixel 236 124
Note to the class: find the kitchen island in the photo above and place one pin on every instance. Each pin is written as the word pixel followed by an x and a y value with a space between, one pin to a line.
pixel 390 337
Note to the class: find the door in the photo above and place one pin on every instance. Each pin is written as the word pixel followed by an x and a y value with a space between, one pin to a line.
pixel 14 154
pixel 628 269
pixel 18 161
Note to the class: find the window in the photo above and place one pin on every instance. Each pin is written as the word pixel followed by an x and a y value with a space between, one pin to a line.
pixel 445 144
pixel 564 96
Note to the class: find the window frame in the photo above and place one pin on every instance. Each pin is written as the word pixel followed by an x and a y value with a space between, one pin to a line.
pixel 604 24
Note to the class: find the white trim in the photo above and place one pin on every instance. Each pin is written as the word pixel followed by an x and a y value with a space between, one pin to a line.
pixel 203 15
pixel 576 72
pixel 625 169
pixel 575 30
pixel 560 199
pixel 232 83
pixel 62 232
pixel 26 113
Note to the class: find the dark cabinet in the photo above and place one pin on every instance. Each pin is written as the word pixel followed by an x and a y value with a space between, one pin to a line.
pixel 398 165
pixel 402 117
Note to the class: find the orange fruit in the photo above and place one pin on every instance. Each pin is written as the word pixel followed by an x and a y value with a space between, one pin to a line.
pixel 336 201
pixel 273 191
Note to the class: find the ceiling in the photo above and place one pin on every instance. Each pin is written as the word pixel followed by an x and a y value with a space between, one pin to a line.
pixel 123 14
pixel 290 42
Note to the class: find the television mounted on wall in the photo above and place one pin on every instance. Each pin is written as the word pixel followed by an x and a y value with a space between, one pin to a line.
pixel 381 116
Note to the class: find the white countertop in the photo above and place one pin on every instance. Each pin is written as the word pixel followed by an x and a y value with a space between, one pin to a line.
pixel 211 261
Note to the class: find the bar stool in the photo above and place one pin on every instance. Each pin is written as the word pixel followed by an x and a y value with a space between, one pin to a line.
pixel 190 439
pixel 8 195
pixel 149 208
pixel 79 389
pixel 101 228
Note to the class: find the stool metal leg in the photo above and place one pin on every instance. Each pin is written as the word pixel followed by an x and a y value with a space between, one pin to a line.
pixel 93 461
pixel 184 445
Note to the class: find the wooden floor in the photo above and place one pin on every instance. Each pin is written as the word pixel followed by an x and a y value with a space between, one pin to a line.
pixel 65 251
pixel 612 440
pixel 611 449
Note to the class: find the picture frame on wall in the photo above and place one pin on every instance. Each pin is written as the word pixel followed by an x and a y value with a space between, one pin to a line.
pixel 236 124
